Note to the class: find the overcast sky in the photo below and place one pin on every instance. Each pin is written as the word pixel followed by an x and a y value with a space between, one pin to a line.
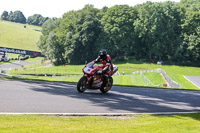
pixel 56 8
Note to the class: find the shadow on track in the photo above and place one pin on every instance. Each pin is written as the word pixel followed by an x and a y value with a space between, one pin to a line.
pixel 127 99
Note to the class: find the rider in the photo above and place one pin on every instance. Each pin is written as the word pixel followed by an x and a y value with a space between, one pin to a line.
pixel 106 61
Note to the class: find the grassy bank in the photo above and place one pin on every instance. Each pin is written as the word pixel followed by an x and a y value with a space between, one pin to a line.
pixel 123 80
pixel 14 35
pixel 187 123
pixel 155 78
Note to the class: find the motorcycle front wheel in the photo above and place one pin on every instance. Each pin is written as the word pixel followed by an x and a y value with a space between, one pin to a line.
pixel 81 85
pixel 108 86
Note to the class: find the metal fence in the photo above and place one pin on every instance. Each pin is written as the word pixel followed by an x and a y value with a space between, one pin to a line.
pixel 172 83
pixel 147 81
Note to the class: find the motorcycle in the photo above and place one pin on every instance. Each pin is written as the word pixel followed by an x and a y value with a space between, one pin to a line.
pixel 92 80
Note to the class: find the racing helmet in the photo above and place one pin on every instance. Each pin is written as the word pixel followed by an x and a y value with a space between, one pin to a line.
pixel 103 54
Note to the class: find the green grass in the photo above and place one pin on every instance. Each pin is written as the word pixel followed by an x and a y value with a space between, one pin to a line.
pixel 124 80
pixel 40 69
pixel 129 80
pixel 187 123
pixel 14 35
pixel 35 59
pixel 1 63
pixel 11 55
pixel 155 78
pixel 174 72
pixel 59 79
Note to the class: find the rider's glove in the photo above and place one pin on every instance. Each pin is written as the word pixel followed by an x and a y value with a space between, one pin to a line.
pixel 97 59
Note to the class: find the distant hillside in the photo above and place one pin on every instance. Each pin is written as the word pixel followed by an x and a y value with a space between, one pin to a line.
pixel 20 36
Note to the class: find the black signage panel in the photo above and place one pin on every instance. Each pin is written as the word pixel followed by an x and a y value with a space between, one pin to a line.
pixel 21 51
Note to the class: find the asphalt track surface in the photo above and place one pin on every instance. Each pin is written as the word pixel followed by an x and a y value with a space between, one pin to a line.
pixel 20 96
pixel 194 80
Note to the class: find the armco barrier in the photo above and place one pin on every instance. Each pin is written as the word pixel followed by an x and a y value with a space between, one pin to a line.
pixel 4 75
pixel 7 75
pixel 147 81
pixel 172 83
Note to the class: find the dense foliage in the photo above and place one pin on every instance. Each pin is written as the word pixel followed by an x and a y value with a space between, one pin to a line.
pixel 19 17
pixel 16 16
pixel 36 19
pixel 166 31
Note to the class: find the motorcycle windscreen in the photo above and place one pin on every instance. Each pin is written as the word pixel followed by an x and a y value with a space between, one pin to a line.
pixel 87 70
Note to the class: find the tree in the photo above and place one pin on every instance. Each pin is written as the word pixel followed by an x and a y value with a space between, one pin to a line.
pixel 55 50
pixel 72 38
pixel 191 34
pixel 48 42
pixel 4 15
pixel 49 25
pixel 189 50
pixel 158 27
pixel 11 16
pixel 190 5
pixel 117 31
pixel 37 19
pixel 18 17
pixel 166 31
pixel 43 20
pixel 82 32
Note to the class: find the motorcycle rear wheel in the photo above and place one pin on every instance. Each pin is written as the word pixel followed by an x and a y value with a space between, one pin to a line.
pixel 81 85
pixel 108 86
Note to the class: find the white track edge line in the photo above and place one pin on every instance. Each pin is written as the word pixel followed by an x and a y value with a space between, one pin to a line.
pixel 98 114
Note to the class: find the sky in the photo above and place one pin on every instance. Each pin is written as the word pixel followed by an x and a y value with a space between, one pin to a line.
pixel 56 8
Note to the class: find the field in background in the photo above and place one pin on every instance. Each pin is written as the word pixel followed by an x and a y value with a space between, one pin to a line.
pixel 14 35
pixel 185 123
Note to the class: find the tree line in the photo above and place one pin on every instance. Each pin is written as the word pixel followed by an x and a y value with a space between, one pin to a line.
pixel 166 31
pixel 18 16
